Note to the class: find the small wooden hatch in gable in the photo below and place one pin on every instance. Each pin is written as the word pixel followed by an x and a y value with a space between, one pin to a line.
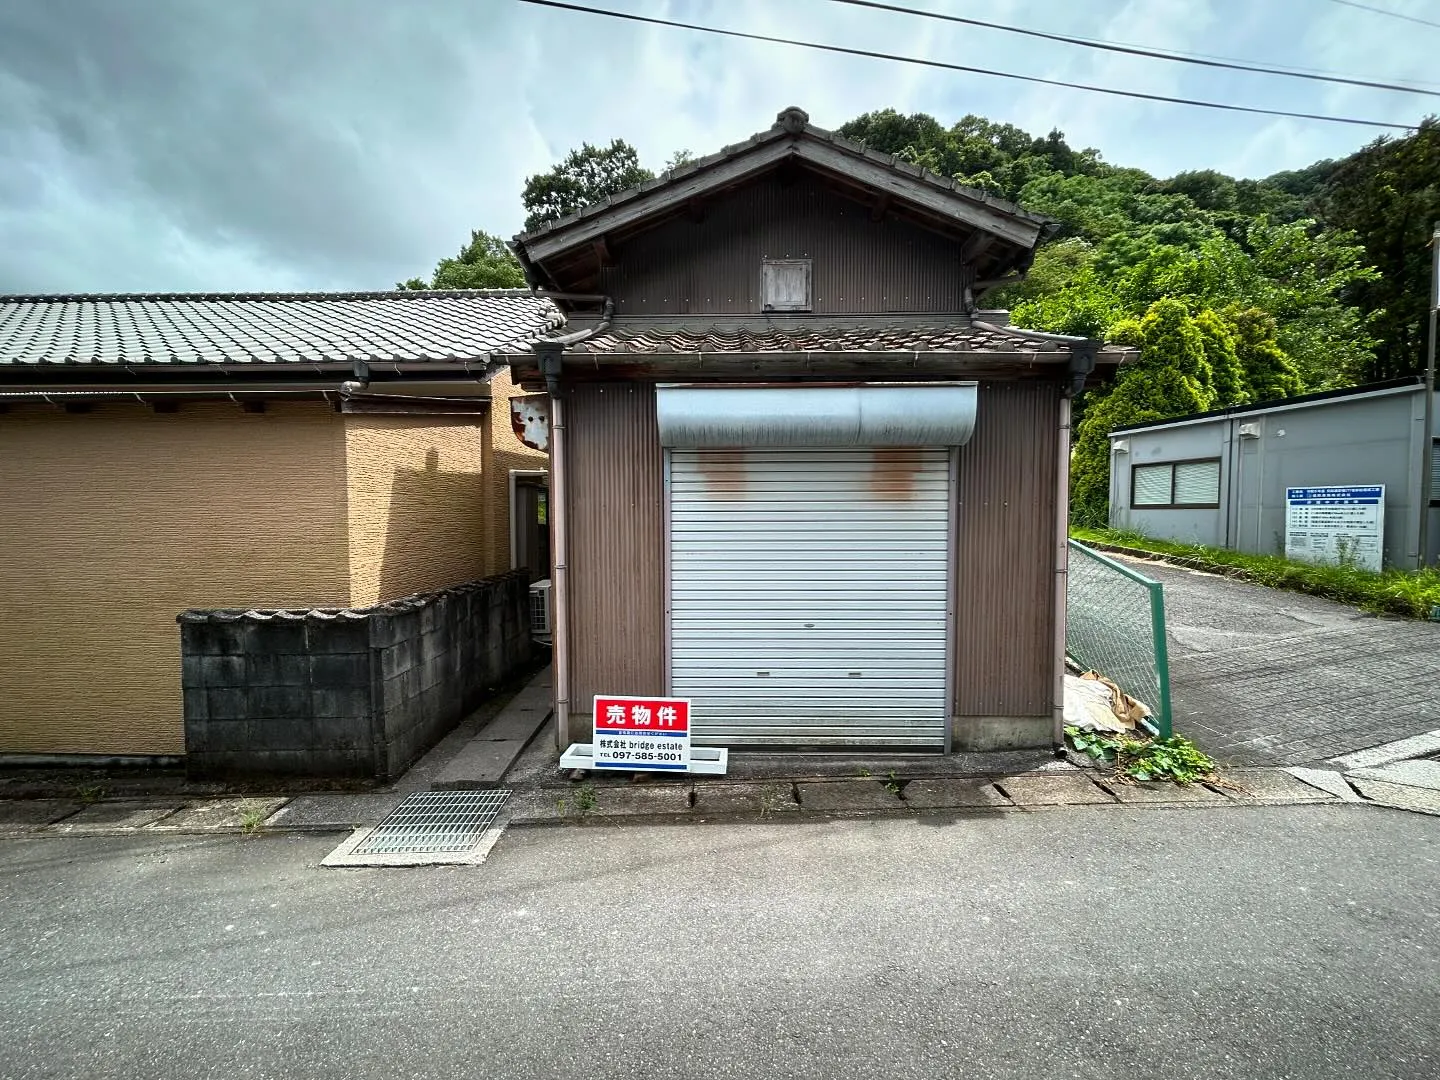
pixel 785 284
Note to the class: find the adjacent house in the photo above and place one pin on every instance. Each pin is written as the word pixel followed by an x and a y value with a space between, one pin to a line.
pixel 1221 478
pixel 172 452
pixel 798 474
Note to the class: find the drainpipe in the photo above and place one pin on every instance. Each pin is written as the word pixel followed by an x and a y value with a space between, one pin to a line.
pixel 361 380
pixel 551 352
pixel 1082 363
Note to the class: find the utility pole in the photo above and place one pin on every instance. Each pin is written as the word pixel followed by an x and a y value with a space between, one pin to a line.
pixel 1427 441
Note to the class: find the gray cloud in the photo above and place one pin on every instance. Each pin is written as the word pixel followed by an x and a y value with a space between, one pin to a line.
pixel 277 144
pixel 287 134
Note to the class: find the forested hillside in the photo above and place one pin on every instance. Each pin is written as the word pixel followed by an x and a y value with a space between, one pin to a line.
pixel 1237 290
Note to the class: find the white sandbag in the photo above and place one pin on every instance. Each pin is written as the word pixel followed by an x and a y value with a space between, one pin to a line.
pixel 1090 706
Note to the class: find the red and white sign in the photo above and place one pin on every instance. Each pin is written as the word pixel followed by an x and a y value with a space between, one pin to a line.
pixel 642 734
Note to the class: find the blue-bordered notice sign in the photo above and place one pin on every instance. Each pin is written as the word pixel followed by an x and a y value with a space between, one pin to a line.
pixel 1341 525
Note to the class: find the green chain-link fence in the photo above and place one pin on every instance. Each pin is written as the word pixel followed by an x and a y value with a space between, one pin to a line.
pixel 1115 625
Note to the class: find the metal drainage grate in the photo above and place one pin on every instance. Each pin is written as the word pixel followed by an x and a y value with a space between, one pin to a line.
pixel 435 821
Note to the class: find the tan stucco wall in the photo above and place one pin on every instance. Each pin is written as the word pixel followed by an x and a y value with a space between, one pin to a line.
pixel 113 522
pixel 504 453
pixel 417 515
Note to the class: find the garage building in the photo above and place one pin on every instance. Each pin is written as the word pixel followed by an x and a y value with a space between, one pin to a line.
pixel 798 474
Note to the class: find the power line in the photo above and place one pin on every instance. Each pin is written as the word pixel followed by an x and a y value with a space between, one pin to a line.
pixel 631 17
pixel 1136 50
pixel 1392 14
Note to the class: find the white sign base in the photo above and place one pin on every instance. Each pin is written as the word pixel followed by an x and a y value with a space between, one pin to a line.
pixel 704 760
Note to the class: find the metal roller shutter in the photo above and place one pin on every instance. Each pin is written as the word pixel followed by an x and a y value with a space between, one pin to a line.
pixel 809 595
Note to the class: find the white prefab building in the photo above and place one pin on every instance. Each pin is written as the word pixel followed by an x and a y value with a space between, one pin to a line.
pixel 1222 478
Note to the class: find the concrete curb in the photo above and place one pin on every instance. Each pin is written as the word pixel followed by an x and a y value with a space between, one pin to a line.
pixel 668 802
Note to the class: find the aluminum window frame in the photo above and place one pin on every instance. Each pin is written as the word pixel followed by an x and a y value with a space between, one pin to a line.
pixel 1136 466
pixel 1434 465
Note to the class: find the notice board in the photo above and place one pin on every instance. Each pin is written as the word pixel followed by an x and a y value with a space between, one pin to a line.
pixel 1340 525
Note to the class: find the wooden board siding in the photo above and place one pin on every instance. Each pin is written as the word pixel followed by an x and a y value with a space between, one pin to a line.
pixel 1005 552
pixel 615 502
pixel 114 521
pixel 504 452
pixel 714 266
pixel 416 504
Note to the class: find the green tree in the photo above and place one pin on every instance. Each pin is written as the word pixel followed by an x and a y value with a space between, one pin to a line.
pixel 1171 378
pixel 1309 278
pixel 1084 306
pixel 585 177
pixel 1269 374
pixel 484 263
pixel 1227 375
pixel 1206 188
pixel 1388 194
pixel 1056 265
pixel 678 158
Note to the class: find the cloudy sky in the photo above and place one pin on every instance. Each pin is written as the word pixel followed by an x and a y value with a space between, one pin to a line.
pixel 170 145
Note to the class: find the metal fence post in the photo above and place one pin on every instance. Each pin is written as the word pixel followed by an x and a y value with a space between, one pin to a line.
pixel 1162 657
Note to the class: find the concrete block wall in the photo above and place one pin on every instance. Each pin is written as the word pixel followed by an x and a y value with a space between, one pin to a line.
pixel 434 661
pixel 345 693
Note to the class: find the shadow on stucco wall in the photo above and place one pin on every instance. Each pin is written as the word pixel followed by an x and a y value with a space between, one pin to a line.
pixel 434 533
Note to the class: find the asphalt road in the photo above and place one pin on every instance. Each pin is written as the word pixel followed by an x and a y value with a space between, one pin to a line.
pixel 1265 677
pixel 1237 942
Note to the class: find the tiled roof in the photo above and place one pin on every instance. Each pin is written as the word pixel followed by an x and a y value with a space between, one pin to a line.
pixel 955 334
pixel 791 123
pixel 269 328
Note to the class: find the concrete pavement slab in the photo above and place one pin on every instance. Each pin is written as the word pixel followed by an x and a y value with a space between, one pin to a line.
pixel 1419 774
pixel 745 797
pixel 1162 791
pixel 759 765
pixel 484 759
pixel 632 800
pixel 1270 785
pixel 109 816
pixel 219 814
pixel 525 712
pixel 480 763
pixel 1063 789
pixel 952 793
pixel 22 815
pixel 847 795
pixel 1399 796
pixel 1325 780
pixel 335 811
pixel 1264 677
pixel 544 807
pixel 1384 754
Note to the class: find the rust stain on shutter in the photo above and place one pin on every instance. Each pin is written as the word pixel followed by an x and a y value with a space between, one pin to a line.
pixel 893 475
pixel 724 472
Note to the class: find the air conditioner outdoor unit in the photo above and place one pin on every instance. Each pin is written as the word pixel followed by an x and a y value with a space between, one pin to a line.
pixel 540 608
